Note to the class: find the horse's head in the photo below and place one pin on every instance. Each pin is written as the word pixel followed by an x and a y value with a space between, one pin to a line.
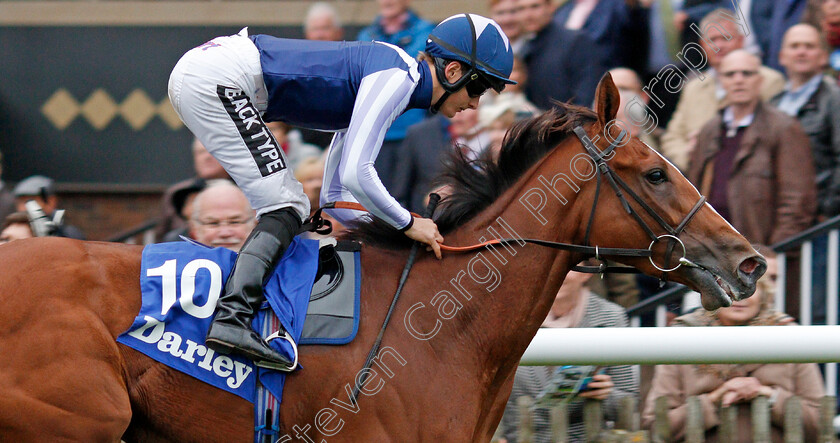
pixel 666 212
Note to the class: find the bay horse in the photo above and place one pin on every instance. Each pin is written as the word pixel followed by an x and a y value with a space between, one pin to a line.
pixel 447 361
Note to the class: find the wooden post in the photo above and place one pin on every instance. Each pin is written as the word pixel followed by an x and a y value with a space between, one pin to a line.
pixel 827 405
pixel 793 421
pixel 694 429
pixel 560 423
pixel 661 424
pixel 526 423
pixel 627 414
pixel 593 419
pixel 760 419
pixel 728 423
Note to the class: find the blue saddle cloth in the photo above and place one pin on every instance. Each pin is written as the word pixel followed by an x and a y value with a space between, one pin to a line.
pixel 180 284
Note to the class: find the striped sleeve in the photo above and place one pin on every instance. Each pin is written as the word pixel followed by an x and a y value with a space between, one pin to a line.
pixel 382 97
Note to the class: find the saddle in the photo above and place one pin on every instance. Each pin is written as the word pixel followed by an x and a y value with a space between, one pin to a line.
pixel 333 314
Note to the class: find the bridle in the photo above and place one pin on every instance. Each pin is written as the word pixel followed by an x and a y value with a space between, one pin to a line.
pixel 602 169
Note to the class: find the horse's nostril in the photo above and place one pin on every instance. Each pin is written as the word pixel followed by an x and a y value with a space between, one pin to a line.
pixel 748 266
pixel 751 269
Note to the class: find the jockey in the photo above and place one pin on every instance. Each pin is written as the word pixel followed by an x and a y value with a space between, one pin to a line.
pixel 226 89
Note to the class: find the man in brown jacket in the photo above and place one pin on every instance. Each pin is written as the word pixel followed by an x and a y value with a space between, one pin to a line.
pixel 753 162
pixel 702 98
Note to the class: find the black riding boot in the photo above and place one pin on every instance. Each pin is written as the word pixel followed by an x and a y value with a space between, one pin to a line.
pixel 231 330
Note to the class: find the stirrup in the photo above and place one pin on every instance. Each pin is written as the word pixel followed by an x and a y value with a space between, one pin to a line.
pixel 285 336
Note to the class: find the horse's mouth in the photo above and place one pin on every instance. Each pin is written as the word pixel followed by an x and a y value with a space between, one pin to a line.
pixel 716 291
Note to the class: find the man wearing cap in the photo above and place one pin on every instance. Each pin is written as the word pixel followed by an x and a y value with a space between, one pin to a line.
pixel 42 190
pixel 180 198
pixel 172 222
pixel 226 89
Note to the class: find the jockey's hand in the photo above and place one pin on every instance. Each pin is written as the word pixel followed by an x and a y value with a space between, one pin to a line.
pixel 425 231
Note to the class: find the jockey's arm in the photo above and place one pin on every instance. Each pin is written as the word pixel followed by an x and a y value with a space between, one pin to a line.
pixel 382 97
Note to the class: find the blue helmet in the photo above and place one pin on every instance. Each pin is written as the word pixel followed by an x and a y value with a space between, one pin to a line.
pixel 477 42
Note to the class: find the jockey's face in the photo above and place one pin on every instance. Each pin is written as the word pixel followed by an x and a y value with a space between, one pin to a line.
pixel 459 100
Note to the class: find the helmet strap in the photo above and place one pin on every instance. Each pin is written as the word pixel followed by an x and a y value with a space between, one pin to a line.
pixel 449 88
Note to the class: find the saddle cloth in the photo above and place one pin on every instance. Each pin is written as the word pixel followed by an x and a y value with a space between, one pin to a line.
pixel 181 282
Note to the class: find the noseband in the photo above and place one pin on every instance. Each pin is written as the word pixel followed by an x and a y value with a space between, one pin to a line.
pixel 620 187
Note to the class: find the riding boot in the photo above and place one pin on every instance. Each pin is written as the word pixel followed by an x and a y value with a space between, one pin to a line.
pixel 231 329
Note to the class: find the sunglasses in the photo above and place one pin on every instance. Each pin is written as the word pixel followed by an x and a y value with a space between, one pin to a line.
pixel 477 87
pixel 745 73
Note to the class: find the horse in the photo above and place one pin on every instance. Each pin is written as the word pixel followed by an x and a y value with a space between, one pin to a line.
pixel 446 365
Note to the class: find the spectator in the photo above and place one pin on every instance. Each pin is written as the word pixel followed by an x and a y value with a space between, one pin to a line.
pixel 702 98
pixel 814 100
pixel 630 89
pixel 737 384
pixel 173 223
pixel 743 160
pixel 620 28
pixel 496 116
pixel 514 93
pixel 505 14
pixel 291 142
pixel 7 200
pixel 785 14
pixel 181 199
pixel 42 190
pixel 830 21
pixel 574 307
pixel 553 57
pixel 310 174
pixel 15 227
pixel 222 216
pixel 400 26
pixel 424 150
pixel 322 23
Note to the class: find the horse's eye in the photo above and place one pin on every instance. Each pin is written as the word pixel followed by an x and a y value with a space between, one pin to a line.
pixel 656 176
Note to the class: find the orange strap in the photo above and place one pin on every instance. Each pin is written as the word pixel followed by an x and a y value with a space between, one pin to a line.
pixel 358 207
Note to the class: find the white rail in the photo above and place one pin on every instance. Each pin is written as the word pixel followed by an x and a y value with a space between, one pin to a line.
pixel 684 345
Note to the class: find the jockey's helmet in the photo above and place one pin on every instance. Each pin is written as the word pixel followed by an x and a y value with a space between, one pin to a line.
pixel 479 43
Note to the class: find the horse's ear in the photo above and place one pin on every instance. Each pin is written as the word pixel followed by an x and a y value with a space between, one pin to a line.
pixel 606 100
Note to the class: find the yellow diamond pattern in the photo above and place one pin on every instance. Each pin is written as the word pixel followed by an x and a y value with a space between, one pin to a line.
pixel 61 109
pixel 99 109
pixel 137 109
pixel 167 113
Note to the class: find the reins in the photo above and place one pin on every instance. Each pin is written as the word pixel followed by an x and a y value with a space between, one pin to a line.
pixel 317 224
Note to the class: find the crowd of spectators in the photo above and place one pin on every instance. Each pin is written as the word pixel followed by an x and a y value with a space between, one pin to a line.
pixel 745 103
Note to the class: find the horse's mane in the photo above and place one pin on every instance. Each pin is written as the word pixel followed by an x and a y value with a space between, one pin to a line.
pixel 472 185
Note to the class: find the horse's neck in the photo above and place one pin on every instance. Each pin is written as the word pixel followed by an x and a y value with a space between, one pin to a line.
pixel 506 310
